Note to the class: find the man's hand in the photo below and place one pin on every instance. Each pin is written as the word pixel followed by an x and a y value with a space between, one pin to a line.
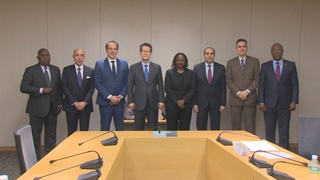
pixel 132 106
pixel 80 106
pixel 195 109
pixel 222 108
pixel 46 90
pixel 243 95
pixel 160 105
pixel 59 109
pixel 114 100
pixel 263 107
pixel 292 106
pixel 180 103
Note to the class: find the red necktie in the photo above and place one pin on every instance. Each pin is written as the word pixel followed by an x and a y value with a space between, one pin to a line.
pixel 209 74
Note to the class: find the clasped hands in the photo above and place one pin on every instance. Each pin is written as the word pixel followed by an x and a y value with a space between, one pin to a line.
pixel 243 95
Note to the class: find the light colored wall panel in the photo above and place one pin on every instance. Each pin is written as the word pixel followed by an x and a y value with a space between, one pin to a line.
pixel 223 22
pixel 127 22
pixel 74 24
pixel 276 21
pixel 23 32
pixel 310 60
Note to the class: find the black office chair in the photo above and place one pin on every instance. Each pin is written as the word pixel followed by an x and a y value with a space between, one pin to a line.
pixel 25 148
pixel 309 133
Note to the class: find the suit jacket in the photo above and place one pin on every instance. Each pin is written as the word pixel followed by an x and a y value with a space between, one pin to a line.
pixel 106 84
pixel 286 90
pixel 139 90
pixel 73 93
pixel 178 87
pixel 213 93
pixel 238 81
pixel 34 79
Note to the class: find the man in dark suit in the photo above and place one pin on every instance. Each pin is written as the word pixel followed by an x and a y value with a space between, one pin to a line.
pixel 278 95
pixel 78 88
pixel 111 79
pixel 145 89
pixel 242 76
pixel 210 96
pixel 43 84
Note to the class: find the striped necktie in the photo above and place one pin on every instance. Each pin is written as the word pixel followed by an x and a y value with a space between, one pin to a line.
pixel 146 72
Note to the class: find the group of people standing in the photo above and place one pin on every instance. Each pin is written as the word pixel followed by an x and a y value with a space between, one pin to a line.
pixel 202 90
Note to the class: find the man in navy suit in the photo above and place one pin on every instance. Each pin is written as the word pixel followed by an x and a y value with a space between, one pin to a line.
pixel 111 79
pixel 78 88
pixel 145 89
pixel 278 95
pixel 43 84
pixel 210 96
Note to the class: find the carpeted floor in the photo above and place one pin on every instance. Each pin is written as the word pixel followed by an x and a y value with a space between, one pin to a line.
pixel 9 164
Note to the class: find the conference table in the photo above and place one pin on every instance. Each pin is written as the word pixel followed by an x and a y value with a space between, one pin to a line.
pixel 139 155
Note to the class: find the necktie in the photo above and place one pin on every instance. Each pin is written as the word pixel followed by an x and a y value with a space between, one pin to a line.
pixel 209 74
pixel 146 73
pixel 46 74
pixel 278 71
pixel 113 70
pixel 242 65
pixel 79 77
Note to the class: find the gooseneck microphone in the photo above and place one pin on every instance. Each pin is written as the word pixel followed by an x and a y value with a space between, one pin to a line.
pixel 280 175
pixel 227 142
pixel 263 164
pixel 107 142
pixel 157 128
pixel 87 176
pixel 93 164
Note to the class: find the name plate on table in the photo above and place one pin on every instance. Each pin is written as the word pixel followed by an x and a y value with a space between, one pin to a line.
pixel 164 133
pixel 240 149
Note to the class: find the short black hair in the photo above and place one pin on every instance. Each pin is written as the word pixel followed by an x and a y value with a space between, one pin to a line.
pixel 174 64
pixel 146 44
pixel 112 42
pixel 241 40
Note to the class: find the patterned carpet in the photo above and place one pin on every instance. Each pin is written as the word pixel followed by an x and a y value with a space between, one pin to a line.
pixel 9 164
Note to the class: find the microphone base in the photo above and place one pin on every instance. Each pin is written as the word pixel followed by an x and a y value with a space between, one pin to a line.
pixel 225 142
pixel 279 175
pixel 93 164
pixel 93 175
pixel 260 163
pixel 110 141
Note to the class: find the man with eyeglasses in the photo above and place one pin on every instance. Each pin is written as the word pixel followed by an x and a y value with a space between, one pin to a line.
pixel 145 89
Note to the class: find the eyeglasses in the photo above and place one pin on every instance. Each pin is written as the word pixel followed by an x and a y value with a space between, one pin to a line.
pixel 145 51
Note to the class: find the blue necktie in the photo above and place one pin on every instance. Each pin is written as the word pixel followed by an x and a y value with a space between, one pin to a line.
pixel 79 77
pixel 113 69
pixel 146 73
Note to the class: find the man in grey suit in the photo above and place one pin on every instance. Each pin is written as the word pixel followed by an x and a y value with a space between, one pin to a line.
pixel 43 84
pixel 278 95
pixel 210 96
pixel 242 76
pixel 145 89
pixel 78 88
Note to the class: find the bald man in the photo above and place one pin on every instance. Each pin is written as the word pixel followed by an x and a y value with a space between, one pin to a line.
pixel 278 95
pixel 78 88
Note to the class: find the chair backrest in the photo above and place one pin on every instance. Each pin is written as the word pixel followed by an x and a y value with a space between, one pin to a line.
pixel 25 149
pixel 309 133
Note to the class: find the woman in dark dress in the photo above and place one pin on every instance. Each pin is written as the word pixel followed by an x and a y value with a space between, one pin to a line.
pixel 180 88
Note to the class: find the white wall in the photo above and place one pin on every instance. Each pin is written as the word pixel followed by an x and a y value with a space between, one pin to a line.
pixel 171 26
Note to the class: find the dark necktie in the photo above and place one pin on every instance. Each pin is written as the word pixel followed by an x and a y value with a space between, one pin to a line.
pixel 79 77
pixel 46 74
pixel 242 65
pixel 278 71
pixel 146 72
pixel 113 70
pixel 209 74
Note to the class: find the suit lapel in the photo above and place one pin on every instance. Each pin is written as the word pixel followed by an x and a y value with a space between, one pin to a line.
pixel 203 72
pixel 271 69
pixel 284 69
pixel 107 66
pixel 141 70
